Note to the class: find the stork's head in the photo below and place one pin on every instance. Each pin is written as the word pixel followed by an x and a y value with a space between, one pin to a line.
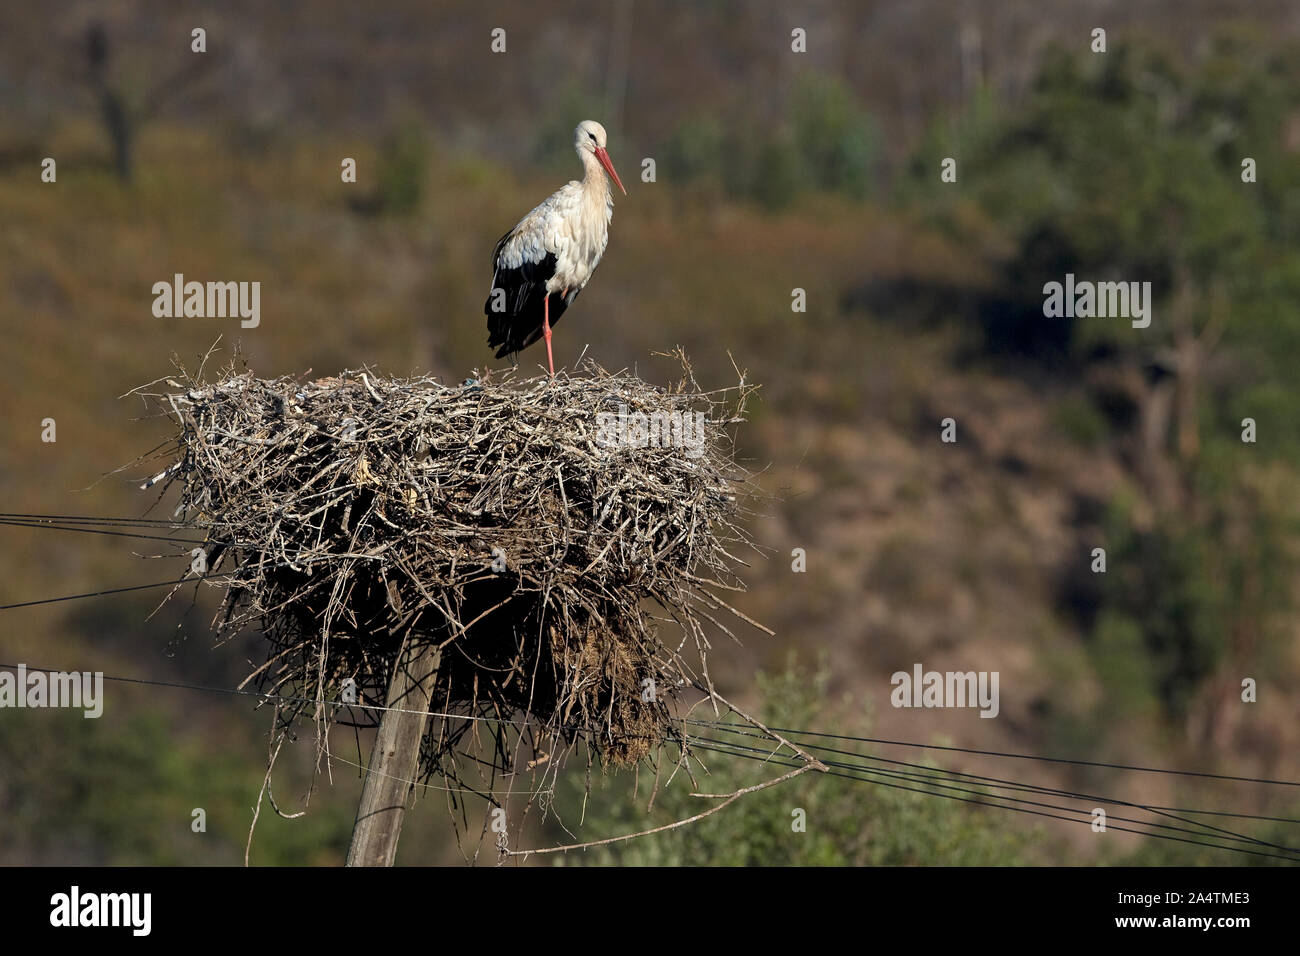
pixel 589 137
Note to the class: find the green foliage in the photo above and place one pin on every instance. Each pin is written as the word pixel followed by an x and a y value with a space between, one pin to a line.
pixel 1123 665
pixel 402 164
pixel 1263 331
pixel 120 791
pixel 838 140
pixel 1163 612
pixel 1128 166
pixel 1080 418
pixel 696 149
pixel 553 147
pixel 849 822
pixel 828 143
pixel 1180 596
pixel 778 174
pixel 1174 853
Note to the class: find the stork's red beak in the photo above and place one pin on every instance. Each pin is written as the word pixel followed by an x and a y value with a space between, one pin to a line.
pixel 603 155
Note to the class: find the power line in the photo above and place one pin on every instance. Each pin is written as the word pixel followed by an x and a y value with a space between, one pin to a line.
pixel 851 776
pixel 1011 784
pixel 50 526
pixel 1041 813
pixel 103 524
pixel 235 691
pixel 929 777
pixel 1016 756
pixel 185 579
pixel 157 524
pixel 89 594
pixel 840 768
pixel 98 519
pixel 730 727
pixel 32 520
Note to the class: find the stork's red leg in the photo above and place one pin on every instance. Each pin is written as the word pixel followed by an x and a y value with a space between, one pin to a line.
pixel 546 331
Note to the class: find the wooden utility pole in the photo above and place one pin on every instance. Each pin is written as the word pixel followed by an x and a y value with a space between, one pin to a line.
pixel 395 757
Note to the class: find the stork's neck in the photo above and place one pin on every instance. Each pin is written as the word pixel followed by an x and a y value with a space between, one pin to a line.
pixel 594 181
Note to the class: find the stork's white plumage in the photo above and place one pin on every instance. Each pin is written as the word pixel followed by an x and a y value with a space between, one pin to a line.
pixel 552 252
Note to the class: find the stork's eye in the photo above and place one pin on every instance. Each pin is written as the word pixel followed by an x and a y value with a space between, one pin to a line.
pixel 593 137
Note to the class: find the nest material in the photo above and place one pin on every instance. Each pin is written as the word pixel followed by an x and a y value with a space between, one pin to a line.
pixel 533 529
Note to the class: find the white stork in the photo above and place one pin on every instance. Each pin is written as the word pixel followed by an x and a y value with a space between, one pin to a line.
pixel 552 252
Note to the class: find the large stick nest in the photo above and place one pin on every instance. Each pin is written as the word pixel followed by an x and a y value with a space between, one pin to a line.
pixel 539 531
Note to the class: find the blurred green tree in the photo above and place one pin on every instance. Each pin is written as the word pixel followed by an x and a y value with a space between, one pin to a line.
pixel 827 142
pixel 1136 166
pixel 838 141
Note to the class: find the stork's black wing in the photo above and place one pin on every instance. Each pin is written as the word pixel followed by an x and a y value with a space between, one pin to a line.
pixel 515 302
